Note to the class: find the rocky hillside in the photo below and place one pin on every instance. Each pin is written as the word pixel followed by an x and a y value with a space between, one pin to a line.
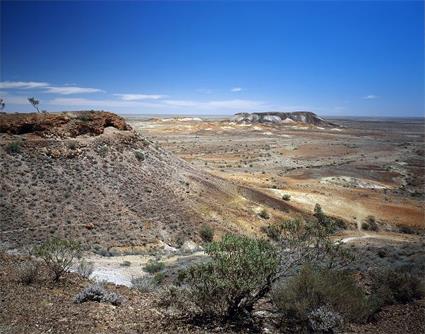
pixel 305 117
pixel 88 176
pixel 61 125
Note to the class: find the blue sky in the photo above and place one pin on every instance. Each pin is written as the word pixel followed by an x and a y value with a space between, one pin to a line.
pixel 359 58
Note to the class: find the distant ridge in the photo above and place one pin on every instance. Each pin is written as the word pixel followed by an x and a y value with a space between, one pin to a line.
pixel 305 117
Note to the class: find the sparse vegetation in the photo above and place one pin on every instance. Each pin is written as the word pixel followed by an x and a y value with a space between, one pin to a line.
pixel 286 197
pixel 139 155
pixel 97 293
pixel 58 255
pixel 144 283
pixel 34 102
pixel 207 233
pixel 264 214
pixel 85 117
pixel 28 271
pixel 154 266
pixel 370 224
pixel 274 231
pixel 396 286
pixel 125 264
pixel 85 268
pixel 315 288
pixel 13 147
pixel 229 285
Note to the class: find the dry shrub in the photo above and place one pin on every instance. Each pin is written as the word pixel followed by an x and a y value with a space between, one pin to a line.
pixel 313 288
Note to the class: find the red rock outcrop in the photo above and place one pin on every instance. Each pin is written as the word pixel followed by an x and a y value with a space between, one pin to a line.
pixel 64 124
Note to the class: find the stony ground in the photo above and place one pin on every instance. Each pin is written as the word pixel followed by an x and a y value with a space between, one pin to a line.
pixel 359 169
pixel 47 307
pixel 112 191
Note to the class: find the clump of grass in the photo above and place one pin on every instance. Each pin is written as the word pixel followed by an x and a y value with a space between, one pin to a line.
pixel 370 224
pixel 264 214
pixel 207 233
pixel 154 266
pixel 286 197
pixel 13 147
pixel 139 155
pixel 85 117
pixel 97 293
pixel 27 272
pixel 125 264
pixel 85 268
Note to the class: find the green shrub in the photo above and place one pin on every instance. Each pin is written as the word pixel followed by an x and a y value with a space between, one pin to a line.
pixel 85 268
pixel 264 214
pixel 58 255
pixel 103 150
pixel 72 145
pixel 97 293
pixel 298 238
pixel 239 273
pixel 154 266
pixel 313 288
pixel 340 223
pixel 144 283
pixel 241 270
pixel 125 264
pixel 13 147
pixel 159 278
pixel 406 230
pixel 139 155
pixel 27 272
pixel 370 224
pixel 207 233
pixel 331 224
pixel 181 276
pixel 286 197
pixel 274 231
pixel 396 286
pixel 85 117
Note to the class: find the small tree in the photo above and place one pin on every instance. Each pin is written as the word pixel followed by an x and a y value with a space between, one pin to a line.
pixel 58 254
pixel 242 270
pixel 2 104
pixel 232 282
pixel 34 102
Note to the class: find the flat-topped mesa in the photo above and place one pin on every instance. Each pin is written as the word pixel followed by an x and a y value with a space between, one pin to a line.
pixel 305 117
pixel 61 124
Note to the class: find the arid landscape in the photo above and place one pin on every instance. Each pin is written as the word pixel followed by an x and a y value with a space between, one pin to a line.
pixel 212 167
pixel 356 169
pixel 143 189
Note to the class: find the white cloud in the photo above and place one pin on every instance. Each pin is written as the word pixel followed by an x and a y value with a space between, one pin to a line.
pixel 22 84
pixel 370 97
pixel 104 103
pixel 139 97
pixel 164 105
pixel 236 89
pixel 67 90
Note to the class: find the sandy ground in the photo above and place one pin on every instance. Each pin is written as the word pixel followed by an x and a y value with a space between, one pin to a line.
pixel 360 169
pixel 121 269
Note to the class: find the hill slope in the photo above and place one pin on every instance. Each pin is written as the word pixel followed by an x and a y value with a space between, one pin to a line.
pixel 109 187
